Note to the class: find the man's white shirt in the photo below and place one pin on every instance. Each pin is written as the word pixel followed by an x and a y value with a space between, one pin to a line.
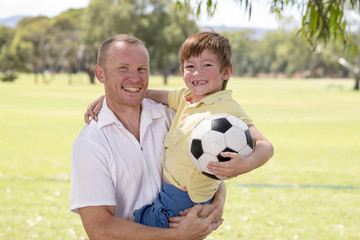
pixel 110 167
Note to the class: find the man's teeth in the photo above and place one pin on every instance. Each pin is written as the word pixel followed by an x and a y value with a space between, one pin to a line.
pixel 199 82
pixel 131 89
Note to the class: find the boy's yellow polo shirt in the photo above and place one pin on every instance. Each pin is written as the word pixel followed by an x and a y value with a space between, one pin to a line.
pixel 179 169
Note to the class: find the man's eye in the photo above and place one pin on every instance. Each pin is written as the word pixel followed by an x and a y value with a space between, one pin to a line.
pixel 123 68
pixel 143 70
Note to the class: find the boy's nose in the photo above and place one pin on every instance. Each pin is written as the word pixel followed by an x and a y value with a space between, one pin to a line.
pixel 198 71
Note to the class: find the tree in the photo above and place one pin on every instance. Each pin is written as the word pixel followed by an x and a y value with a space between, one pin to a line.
pixel 7 62
pixel 322 21
pixel 163 33
pixel 102 19
pixel 152 21
pixel 65 42
pixel 31 45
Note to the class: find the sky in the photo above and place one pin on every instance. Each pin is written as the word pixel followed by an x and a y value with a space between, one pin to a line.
pixel 229 13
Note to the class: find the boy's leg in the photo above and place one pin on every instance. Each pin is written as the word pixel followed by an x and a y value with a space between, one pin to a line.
pixel 167 204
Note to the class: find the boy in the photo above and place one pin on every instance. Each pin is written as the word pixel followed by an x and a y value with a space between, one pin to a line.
pixel 205 64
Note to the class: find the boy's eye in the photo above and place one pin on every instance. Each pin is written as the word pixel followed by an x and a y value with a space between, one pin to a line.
pixel 207 65
pixel 189 66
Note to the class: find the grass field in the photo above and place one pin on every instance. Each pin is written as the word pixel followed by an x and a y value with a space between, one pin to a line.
pixel 309 190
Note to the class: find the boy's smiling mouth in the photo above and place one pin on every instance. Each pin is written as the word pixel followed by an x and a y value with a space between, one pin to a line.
pixel 199 82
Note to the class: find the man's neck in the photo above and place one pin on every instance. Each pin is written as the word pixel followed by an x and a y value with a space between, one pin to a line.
pixel 129 117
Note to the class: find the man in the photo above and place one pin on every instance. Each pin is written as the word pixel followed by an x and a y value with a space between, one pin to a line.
pixel 117 163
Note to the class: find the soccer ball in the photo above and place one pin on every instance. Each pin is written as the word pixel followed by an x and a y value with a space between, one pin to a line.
pixel 215 134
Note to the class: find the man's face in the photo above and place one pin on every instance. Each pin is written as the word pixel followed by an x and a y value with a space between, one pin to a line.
pixel 125 74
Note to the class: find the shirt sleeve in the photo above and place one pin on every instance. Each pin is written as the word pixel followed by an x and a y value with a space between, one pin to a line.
pixel 236 110
pixel 91 181
pixel 174 98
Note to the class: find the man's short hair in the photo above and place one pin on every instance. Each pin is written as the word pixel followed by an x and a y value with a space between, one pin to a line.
pixel 127 38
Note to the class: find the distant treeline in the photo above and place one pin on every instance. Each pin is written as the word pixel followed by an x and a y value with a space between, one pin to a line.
pixel 69 43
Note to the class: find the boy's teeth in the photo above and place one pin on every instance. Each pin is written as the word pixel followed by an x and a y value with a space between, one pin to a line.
pixel 199 82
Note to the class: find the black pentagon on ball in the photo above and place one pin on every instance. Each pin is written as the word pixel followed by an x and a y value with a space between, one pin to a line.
pixel 249 138
pixel 220 125
pixel 224 159
pixel 196 148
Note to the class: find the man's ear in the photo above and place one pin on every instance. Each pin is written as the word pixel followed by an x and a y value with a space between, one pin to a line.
pixel 227 72
pixel 99 73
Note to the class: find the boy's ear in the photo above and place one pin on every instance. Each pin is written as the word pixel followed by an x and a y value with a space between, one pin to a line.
pixel 227 72
pixel 99 73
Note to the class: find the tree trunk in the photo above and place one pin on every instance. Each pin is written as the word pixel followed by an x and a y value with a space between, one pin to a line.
pixel 357 79
pixel 91 75
pixel 36 79
pixel 166 73
pixel 69 78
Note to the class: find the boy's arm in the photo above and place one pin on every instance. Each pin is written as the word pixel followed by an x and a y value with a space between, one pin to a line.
pixel 160 96
pixel 93 109
pixel 263 151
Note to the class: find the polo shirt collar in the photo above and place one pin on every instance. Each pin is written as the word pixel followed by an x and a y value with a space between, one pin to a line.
pixel 215 97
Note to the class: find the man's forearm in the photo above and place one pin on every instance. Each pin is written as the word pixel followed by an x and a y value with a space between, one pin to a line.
pixel 100 223
pixel 220 195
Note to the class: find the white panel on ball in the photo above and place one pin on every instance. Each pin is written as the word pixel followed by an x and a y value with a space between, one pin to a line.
pixel 204 160
pixel 213 142
pixel 235 139
pixel 201 128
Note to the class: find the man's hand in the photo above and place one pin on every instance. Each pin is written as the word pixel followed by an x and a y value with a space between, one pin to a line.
pixel 193 226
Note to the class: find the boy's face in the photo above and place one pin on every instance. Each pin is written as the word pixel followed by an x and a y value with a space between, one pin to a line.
pixel 202 74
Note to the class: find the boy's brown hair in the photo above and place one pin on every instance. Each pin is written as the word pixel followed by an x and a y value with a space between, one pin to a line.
pixel 195 44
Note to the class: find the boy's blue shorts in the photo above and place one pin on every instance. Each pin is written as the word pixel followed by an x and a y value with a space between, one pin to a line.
pixel 167 204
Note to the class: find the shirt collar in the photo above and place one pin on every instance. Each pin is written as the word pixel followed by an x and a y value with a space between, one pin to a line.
pixel 215 97
pixel 107 117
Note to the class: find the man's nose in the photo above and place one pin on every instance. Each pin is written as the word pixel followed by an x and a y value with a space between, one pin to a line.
pixel 134 75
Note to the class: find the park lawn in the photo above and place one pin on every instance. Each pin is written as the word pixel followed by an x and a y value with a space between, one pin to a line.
pixel 309 190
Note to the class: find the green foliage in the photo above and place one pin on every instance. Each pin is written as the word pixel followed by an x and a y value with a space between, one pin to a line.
pixel 8 76
pixel 7 61
pixel 154 22
pixel 313 124
pixel 321 20
pixel 282 52
pixel 31 43
pixel 69 42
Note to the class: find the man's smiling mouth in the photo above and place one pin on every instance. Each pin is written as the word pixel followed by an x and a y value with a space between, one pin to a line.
pixel 131 89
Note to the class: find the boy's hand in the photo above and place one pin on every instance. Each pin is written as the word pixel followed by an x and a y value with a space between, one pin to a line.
pixel 93 109
pixel 235 166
